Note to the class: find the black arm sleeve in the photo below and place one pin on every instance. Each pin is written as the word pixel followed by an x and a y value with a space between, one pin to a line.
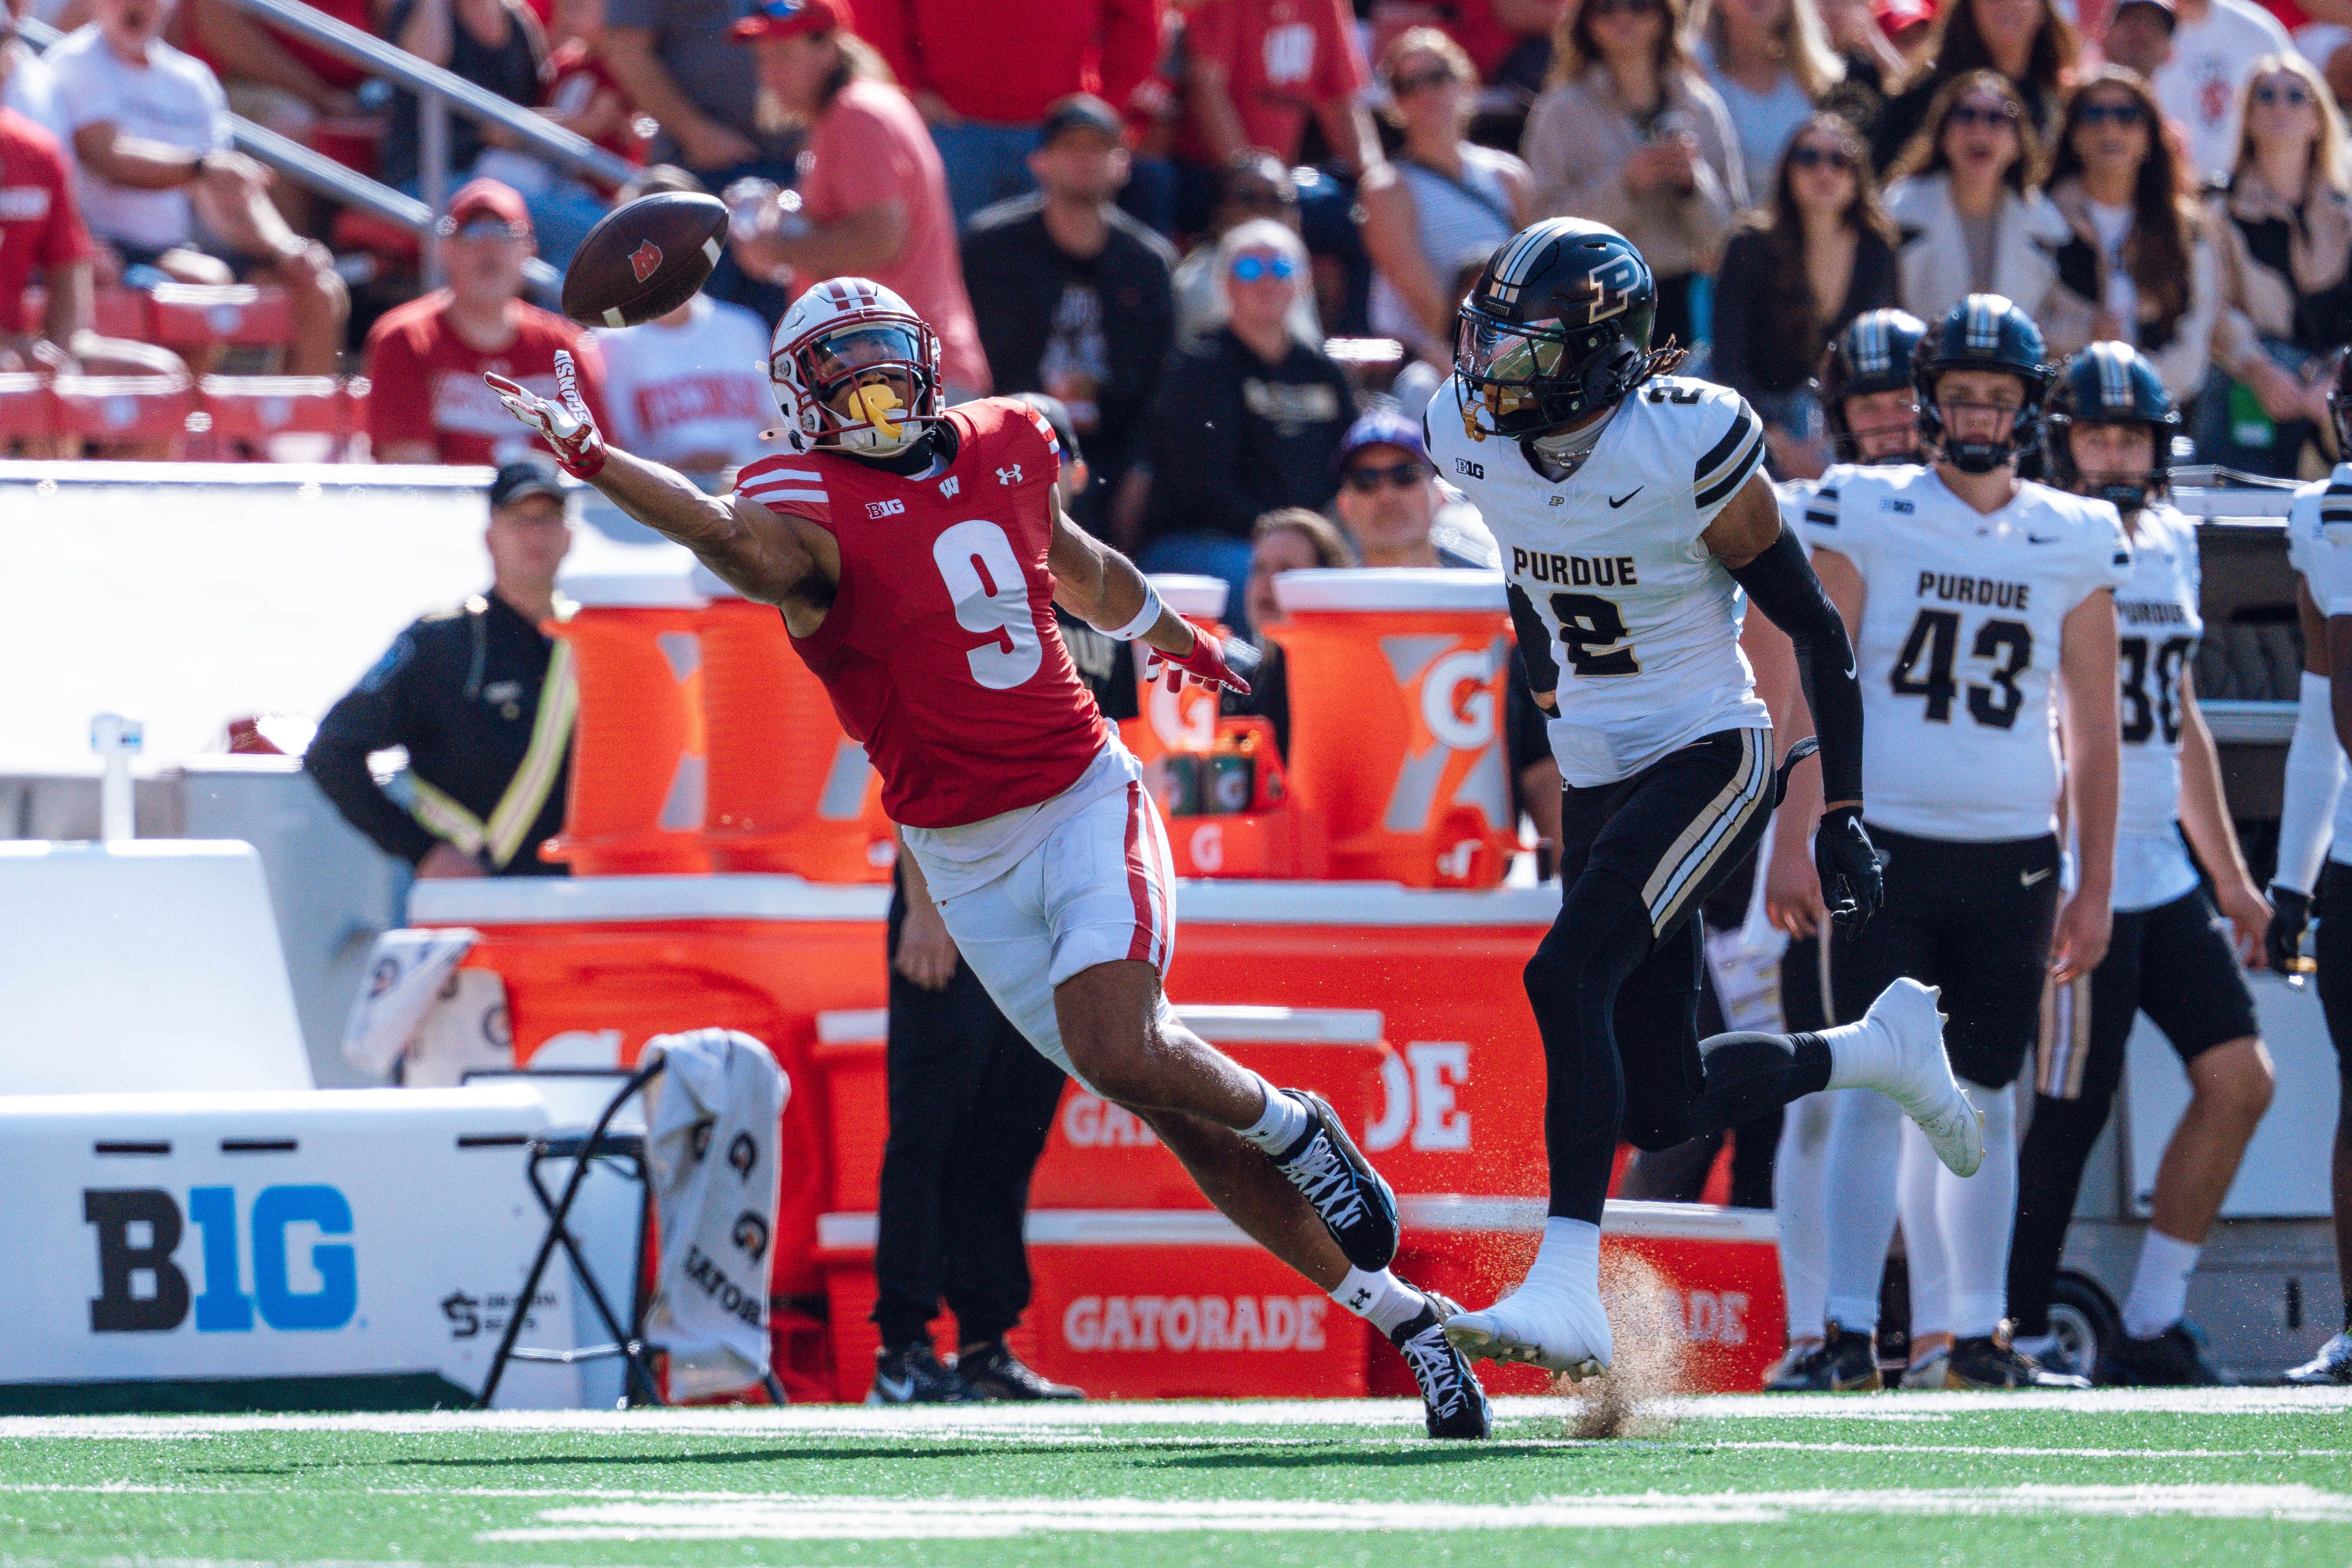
pixel 368 720
pixel 1782 584
pixel 1535 662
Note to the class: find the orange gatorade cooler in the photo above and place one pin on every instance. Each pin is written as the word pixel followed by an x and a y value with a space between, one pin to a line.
pixel 1182 721
pixel 1396 729
pixel 788 789
pixel 637 758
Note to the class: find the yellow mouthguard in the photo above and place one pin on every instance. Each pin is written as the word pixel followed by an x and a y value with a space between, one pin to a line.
pixel 879 402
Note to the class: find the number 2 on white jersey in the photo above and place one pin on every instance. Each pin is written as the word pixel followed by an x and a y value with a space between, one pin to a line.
pixel 992 597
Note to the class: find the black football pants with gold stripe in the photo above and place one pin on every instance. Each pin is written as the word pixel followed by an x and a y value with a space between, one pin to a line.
pixel 1614 983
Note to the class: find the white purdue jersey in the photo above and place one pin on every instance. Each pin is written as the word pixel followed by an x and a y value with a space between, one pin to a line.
pixel 2319 546
pixel 2157 621
pixel 1644 622
pixel 1960 628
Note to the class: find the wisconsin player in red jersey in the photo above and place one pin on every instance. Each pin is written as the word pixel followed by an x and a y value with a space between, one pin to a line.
pixel 917 554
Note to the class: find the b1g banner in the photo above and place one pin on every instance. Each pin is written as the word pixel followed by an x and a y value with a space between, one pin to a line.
pixel 342 1249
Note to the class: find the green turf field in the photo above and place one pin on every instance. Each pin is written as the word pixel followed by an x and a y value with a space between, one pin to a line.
pixel 2228 1477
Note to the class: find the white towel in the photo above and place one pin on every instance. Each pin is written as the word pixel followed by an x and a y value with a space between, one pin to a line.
pixel 711 1142
pixel 405 978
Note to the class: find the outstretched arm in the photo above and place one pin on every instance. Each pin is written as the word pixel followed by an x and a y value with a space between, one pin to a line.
pixel 766 557
pixel 1105 590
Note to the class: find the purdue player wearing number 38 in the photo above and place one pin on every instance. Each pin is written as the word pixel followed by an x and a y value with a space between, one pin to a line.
pixel 917 554
pixel 1632 512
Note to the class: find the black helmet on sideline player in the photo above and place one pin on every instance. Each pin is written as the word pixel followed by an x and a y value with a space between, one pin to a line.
pixel 2108 384
pixel 1983 332
pixel 1871 355
pixel 1557 325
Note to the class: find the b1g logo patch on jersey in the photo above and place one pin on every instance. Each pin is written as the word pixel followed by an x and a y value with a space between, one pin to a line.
pixel 1464 466
pixel 1896 504
pixel 885 507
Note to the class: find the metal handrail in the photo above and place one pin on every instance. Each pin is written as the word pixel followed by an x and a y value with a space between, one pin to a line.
pixel 397 64
pixel 317 172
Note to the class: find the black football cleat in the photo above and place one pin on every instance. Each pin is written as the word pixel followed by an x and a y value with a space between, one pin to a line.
pixel 911 1374
pixel 1845 1363
pixel 1355 1201
pixel 2173 1359
pixel 2331 1368
pixel 1989 1361
pixel 1452 1403
pixel 995 1373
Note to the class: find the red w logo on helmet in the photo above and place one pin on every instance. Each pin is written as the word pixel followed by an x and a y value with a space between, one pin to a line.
pixel 645 260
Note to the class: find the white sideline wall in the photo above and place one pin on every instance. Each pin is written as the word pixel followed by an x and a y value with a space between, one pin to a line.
pixel 192 594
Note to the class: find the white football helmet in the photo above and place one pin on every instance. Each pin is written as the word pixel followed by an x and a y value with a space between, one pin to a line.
pixel 835 337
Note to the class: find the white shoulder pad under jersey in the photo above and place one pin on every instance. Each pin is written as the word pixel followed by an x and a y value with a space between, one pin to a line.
pixel 1640 623
pixel 1960 628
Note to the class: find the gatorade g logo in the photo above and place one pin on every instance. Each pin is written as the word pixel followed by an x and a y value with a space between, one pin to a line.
pixel 144 1289
pixel 1454 756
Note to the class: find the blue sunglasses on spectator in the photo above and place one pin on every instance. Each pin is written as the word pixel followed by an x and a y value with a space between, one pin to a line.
pixel 1250 269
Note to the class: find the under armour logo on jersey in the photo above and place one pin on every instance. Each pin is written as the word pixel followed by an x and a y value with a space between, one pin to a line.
pixel 1011 476
pixel 948 486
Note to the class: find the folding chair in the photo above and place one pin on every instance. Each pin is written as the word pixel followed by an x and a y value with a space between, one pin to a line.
pixel 624 1151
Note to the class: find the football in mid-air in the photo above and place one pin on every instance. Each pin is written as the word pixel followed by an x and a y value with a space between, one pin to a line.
pixel 644 259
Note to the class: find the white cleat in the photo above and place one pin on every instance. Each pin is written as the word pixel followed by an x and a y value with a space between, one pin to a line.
pixel 1552 1330
pixel 1922 1082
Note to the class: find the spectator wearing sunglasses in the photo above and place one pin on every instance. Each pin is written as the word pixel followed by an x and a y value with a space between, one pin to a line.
pixel 1439 198
pixel 2138 265
pixel 2282 235
pixel 2027 42
pixel 1795 274
pixel 2215 44
pixel 1256 184
pixel 1771 63
pixel 1630 134
pixel 1248 416
pixel 1966 204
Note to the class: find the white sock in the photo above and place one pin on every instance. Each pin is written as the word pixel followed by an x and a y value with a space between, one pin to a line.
pixel 1862 1055
pixel 1928 1259
pixel 1381 1300
pixel 2159 1292
pixel 1979 1215
pixel 1798 1204
pixel 1569 1260
pixel 1865 1142
pixel 1282 1123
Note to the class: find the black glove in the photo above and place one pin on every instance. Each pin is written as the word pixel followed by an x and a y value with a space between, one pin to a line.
pixel 1851 883
pixel 2290 914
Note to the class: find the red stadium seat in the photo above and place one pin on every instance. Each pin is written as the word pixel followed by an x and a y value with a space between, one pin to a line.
pixel 244 414
pixel 200 315
pixel 25 410
pixel 120 313
pixel 144 408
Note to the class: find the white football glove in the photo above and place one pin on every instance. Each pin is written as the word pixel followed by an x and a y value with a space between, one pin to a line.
pixel 567 426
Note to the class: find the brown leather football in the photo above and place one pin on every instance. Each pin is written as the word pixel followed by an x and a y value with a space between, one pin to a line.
pixel 644 259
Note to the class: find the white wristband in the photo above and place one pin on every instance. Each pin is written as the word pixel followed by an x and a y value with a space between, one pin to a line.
pixel 1145 619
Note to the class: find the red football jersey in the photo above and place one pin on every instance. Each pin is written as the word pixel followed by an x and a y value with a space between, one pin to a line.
pixel 940 653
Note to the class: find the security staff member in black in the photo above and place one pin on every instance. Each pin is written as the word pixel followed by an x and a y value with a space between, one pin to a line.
pixel 971 1103
pixel 482 699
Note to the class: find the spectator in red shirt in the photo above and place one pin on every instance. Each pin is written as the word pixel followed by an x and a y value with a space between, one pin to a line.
pixel 984 97
pixel 426 358
pixel 1254 71
pixel 873 197
pixel 40 233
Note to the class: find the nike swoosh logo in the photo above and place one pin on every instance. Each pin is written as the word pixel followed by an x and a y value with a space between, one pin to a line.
pixel 2043 538
pixel 902 1389
pixel 2029 877
pixel 1629 495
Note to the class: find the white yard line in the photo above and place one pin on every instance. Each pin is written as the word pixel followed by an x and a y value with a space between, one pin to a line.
pixel 838 1518
pixel 1112 1415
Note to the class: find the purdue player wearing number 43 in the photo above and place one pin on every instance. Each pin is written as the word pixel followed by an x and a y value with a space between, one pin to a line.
pixel 917 554
pixel 1633 512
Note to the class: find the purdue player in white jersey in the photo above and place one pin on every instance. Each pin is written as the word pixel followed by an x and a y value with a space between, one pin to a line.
pixel 2107 431
pixel 1632 515
pixel 1975 596
pixel 2319 544
pixel 1873 414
